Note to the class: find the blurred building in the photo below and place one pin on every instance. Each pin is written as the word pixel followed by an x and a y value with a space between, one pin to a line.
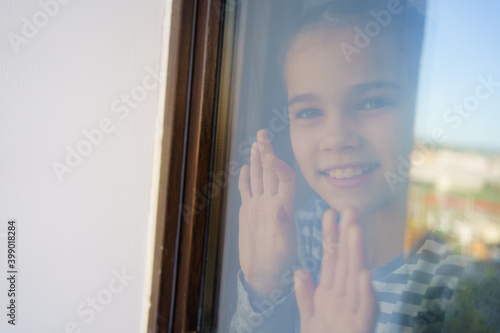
pixel 457 193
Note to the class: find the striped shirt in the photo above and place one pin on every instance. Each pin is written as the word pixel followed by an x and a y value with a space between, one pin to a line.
pixel 412 293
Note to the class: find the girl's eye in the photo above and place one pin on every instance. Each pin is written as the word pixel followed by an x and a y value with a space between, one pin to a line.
pixel 308 114
pixel 373 104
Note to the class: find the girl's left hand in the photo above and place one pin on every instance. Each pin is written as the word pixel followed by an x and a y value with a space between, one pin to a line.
pixel 344 300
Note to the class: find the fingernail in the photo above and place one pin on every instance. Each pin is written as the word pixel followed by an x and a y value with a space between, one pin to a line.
pixel 265 137
pixel 253 150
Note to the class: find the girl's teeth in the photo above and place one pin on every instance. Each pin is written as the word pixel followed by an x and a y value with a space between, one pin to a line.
pixel 349 172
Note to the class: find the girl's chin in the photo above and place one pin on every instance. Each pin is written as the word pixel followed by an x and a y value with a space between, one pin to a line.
pixel 364 205
pixel 341 204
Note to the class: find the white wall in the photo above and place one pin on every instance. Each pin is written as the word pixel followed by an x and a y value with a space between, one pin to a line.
pixel 78 229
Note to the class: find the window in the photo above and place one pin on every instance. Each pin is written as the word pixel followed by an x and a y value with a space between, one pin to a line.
pixel 383 107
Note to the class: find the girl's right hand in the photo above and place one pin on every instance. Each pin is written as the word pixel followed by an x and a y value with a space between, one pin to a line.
pixel 344 300
pixel 267 240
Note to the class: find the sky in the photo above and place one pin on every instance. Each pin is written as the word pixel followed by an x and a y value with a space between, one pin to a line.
pixel 462 45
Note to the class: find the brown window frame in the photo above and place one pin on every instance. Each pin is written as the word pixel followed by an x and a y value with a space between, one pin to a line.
pixel 185 274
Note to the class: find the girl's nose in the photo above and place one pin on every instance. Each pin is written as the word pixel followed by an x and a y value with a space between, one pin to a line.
pixel 339 134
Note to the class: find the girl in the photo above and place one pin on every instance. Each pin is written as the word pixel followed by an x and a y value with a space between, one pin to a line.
pixel 338 264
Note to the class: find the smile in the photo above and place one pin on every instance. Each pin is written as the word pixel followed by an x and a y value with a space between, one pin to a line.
pixel 351 172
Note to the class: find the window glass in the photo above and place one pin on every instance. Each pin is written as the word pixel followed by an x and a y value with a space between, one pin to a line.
pixel 364 166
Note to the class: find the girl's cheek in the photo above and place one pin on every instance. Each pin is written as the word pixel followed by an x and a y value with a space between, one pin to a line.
pixel 295 136
pixel 299 138
pixel 301 146
pixel 385 126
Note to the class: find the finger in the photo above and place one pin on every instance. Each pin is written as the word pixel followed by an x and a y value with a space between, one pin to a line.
pixel 286 176
pixel 244 183
pixel 329 249
pixel 355 247
pixel 270 178
pixel 270 182
pixel 367 304
pixel 355 265
pixel 256 171
pixel 304 292
pixel 264 142
pixel 341 269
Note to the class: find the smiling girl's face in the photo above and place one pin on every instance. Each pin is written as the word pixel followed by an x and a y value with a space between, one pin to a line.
pixel 351 123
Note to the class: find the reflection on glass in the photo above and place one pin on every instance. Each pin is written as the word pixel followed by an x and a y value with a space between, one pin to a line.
pixel 369 168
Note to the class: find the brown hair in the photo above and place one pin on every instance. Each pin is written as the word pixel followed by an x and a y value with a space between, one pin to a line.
pixel 408 24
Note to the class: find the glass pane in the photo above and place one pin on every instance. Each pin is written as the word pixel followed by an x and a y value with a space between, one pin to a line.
pixel 371 200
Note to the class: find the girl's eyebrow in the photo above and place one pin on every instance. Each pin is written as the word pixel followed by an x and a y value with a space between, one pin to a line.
pixel 364 87
pixel 303 98
pixel 356 90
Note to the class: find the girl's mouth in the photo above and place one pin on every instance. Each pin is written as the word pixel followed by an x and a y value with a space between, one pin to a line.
pixel 349 176
pixel 351 172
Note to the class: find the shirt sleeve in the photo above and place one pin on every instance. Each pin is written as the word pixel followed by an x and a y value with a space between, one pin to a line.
pixel 274 315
